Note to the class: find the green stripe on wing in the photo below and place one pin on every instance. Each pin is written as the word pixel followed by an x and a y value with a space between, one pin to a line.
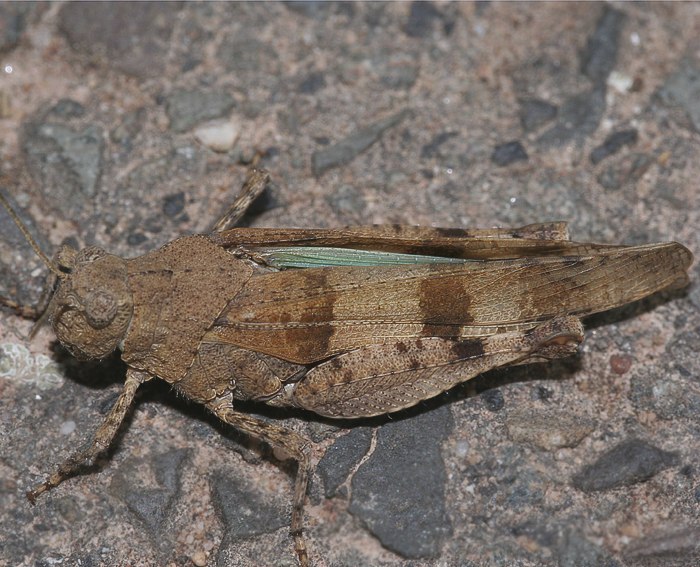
pixel 319 257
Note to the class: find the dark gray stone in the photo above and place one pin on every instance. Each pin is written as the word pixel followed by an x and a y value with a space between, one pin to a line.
pixel 493 400
pixel 628 463
pixel 65 161
pixel 667 188
pixel 421 19
pixel 672 546
pixel 376 15
pixel 346 150
pixel 312 83
pixel 67 108
pixel 535 113
pixel 173 205
pixel 625 172
pixel 342 457
pixel 151 505
pixel 600 54
pixel 682 89
pixel 242 511
pixel 347 200
pixel 574 550
pixel 133 37
pixel 613 144
pixel 310 8
pixel 579 117
pixel 508 153
pixel 399 493
pixel 432 149
pixel 167 468
pixel 524 491
pixel 542 393
pixel 136 238
pixel 13 22
pixel 187 108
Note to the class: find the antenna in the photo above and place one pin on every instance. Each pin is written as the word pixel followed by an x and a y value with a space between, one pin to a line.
pixel 30 239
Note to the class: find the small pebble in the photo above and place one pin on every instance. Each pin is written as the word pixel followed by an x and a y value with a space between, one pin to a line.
pixel 621 82
pixel 219 136
pixel 510 152
pixel 620 363
pixel 199 559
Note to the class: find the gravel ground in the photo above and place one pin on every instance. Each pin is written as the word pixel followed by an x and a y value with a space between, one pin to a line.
pixel 125 125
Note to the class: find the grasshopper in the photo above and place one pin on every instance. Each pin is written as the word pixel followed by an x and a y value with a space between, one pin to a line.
pixel 346 323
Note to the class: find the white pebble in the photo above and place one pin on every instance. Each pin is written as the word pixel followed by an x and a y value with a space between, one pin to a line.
pixel 620 82
pixel 219 136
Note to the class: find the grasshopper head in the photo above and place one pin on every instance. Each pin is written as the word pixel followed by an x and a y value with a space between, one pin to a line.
pixel 91 309
pixel 92 305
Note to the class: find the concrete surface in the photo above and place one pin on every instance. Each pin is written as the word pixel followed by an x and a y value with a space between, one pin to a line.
pixel 445 114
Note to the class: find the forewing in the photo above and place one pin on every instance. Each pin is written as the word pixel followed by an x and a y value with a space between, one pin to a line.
pixel 308 315
pixel 531 240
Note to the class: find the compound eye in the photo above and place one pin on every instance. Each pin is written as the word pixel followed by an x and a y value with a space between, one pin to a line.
pixel 100 308
pixel 89 254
